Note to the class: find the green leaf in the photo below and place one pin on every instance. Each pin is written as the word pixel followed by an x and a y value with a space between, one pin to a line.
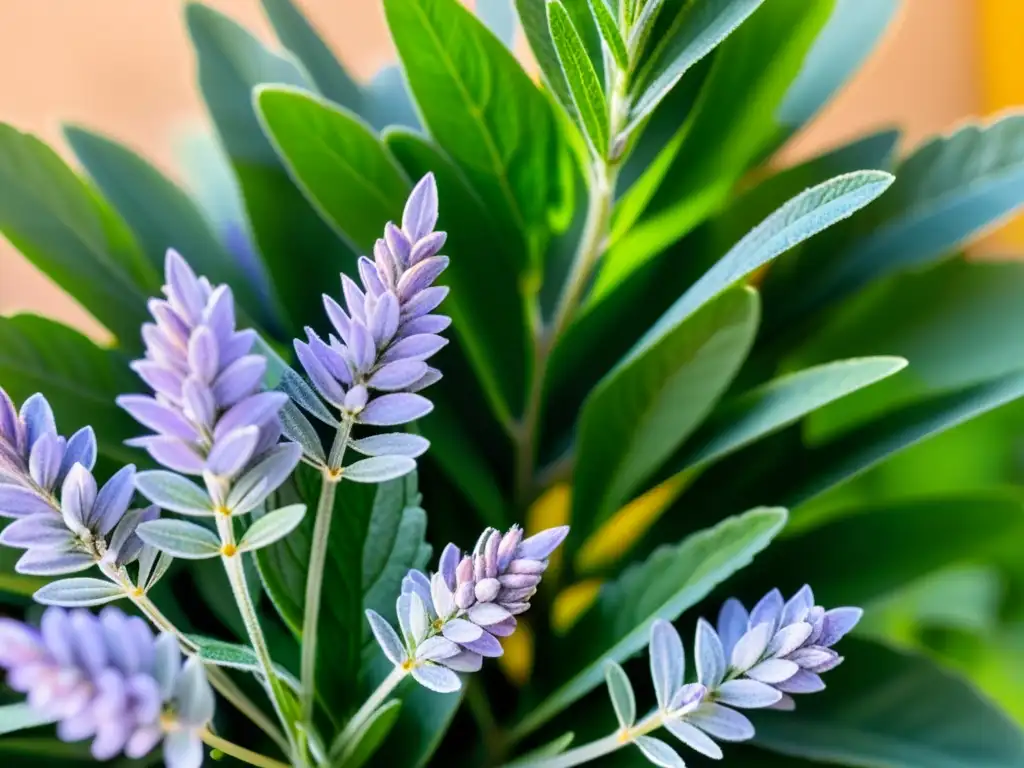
pixel 379 469
pixel 80 592
pixel 65 229
pixel 779 403
pixel 174 493
pixel 644 409
pixel 948 190
pixel 491 324
pixel 234 656
pixel 697 29
pixel 621 693
pixel 850 35
pixel 610 34
pixel 804 216
pixel 18 717
pixel 271 527
pixel 888 708
pixel 231 64
pixel 80 379
pixel 584 85
pixel 672 580
pixel 301 38
pixel 368 739
pixel 484 111
pixel 722 137
pixel 158 212
pixel 552 748
pixel 181 539
pixel 337 161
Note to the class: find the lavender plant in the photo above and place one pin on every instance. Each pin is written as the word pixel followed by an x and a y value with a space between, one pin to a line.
pixel 651 332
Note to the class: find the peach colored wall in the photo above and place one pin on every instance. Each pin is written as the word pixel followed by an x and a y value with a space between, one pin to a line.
pixel 124 67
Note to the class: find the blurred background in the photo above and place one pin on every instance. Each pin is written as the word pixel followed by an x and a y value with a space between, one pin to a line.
pixel 124 67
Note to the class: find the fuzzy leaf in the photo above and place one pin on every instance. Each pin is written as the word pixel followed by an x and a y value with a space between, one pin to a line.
pixel 271 527
pixel 584 85
pixel 379 469
pixel 19 717
pixel 180 538
pixel 174 493
pixel 610 34
pixel 79 592
pixel 621 693
pixel 234 656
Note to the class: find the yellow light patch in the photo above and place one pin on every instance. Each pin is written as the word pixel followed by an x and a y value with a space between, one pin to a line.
pixel 572 602
pixel 517 661
pixel 553 508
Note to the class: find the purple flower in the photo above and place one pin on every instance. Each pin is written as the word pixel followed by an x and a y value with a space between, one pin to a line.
pixel 207 411
pixel 107 678
pixel 376 364
pixel 453 619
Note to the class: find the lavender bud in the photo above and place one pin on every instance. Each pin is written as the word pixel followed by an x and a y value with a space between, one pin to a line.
pixel 487 590
pixel 465 595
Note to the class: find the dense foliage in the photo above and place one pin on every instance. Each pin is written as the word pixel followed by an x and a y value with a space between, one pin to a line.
pixel 724 375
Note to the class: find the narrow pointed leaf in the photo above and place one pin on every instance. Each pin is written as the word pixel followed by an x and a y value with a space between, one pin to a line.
pixel 271 527
pixel 610 34
pixel 621 693
pixel 80 592
pixel 584 85
pixel 20 717
pixel 180 538
pixel 367 740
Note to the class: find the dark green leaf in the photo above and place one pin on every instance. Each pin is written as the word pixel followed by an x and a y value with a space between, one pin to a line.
pixel 886 708
pixel 79 379
pixel 485 112
pixel 337 161
pixel 231 64
pixel 368 739
pixel 644 409
pixel 299 36
pixel 65 229
pixel 584 85
pixel 670 581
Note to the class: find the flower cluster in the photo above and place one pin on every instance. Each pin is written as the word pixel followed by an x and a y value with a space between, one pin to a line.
pixel 451 620
pixel 87 524
pixel 753 661
pixel 208 411
pixel 108 678
pixel 386 329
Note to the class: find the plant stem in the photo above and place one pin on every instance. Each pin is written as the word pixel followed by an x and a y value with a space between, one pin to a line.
pixel 599 748
pixel 331 476
pixel 377 698
pixel 480 709
pixel 240 753
pixel 232 561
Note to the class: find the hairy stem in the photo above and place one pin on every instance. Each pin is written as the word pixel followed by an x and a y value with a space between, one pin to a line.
pixel 377 698
pixel 238 752
pixel 331 476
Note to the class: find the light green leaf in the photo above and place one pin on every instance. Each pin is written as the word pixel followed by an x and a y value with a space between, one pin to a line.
pixel 79 592
pixel 779 403
pixel 336 160
pixel 299 36
pixel 231 64
pixel 610 34
pixel 234 656
pixel 18 717
pixel 673 579
pixel 887 708
pixel 484 111
pixel 181 538
pixel 271 527
pixel 379 469
pixel 552 748
pixel 367 740
pixel 158 212
pixel 79 378
pixel 621 693
pixel 802 217
pixel 584 85
pixel 65 229
pixel 697 29
pixel 644 409
pixel 174 493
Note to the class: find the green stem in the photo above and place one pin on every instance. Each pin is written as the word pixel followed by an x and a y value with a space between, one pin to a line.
pixel 372 704
pixel 232 561
pixel 599 748
pixel 240 753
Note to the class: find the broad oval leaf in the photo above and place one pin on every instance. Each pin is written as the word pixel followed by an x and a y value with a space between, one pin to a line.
pixel 336 160
pixel 621 693
pixel 181 538
pixel 378 469
pixel 885 707
pixel 271 527
pixel 391 444
pixel 79 592
pixel 644 409
pixel 584 85
pixel 174 493
pixel 670 581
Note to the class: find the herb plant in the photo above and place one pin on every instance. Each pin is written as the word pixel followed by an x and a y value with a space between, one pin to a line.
pixel 587 313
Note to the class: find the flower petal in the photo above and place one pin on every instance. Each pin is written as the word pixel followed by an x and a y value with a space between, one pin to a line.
pixel 747 694
pixel 437 678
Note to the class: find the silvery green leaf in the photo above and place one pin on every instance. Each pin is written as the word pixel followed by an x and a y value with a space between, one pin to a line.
pixel 722 723
pixel 436 678
pixel 162 564
pixel 668 664
pixel 709 655
pixel 694 738
pixel 621 693
pixel 368 738
pixel 386 638
pixel 293 385
pixel 584 85
pixel 174 493
pixel 552 748
pixel 79 593
pixel 658 752
pixel 391 444
pixel 18 717
pixel 296 427
pixel 378 469
pixel 180 538
pixel 234 656
pixel 272 527
pixel 252 488
pixel 748 694
pixel 610 32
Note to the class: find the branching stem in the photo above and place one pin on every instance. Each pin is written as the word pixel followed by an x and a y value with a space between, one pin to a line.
pixel 240 753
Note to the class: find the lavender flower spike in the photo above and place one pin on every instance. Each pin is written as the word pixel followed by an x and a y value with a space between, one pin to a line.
pixel 108 679
pixel 385 332
pixel 451 620
pixel 207 411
